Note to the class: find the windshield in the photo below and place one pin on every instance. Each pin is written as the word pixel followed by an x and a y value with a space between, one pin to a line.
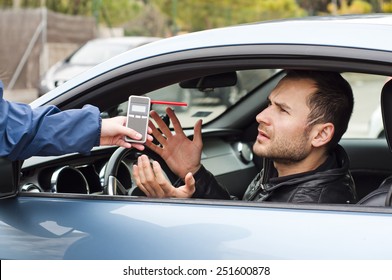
pixel 203 103
pixel 209 103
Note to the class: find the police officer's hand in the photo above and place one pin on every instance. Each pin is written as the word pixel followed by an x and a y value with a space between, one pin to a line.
pixel 113 131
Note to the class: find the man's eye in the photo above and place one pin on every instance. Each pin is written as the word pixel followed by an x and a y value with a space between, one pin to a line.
pixel 283 110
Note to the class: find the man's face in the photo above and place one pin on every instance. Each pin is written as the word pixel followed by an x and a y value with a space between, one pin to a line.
pixel 282 134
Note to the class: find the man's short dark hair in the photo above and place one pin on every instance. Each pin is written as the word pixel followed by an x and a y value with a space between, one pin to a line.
pixel 332 101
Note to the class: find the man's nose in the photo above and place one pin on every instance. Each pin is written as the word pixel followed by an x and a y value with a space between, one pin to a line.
pixel 263 116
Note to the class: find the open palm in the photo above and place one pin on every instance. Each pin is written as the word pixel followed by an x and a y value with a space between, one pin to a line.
pixel 181 154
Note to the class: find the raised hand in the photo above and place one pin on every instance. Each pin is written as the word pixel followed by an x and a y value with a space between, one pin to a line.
pixel 181 154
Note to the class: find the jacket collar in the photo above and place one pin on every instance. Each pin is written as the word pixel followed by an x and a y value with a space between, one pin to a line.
pixel 336 165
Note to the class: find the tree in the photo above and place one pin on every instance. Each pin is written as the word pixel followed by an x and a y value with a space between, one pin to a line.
pixel 386 6
pixel 116 13
pixel 149 22
pixel 356 7
pixel 108 11
pixel 314 7
pixel 192 15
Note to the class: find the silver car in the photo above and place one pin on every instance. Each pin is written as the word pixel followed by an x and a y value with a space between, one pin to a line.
pixel 60 207
pixel 90 54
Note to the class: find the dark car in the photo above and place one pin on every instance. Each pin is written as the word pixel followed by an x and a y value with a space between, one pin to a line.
pixel 47 216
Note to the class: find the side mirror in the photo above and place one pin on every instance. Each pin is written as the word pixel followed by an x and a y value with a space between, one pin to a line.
pixel 9 174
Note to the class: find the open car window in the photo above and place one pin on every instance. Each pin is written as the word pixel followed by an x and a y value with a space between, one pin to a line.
pixel 209 103
pixel 205 101
pixel 256 84
pixel 366 120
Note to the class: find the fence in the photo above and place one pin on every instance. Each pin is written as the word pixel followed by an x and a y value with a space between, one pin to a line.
pixel 32 40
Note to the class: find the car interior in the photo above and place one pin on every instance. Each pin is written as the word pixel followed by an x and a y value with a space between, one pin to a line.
pixel 382 195
pixel 225 100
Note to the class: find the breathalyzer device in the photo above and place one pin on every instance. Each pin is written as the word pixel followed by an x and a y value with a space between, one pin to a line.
pixel 138 116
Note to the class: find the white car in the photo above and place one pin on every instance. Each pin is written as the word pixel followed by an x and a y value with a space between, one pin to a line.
pixel 79 206
pixel 90 54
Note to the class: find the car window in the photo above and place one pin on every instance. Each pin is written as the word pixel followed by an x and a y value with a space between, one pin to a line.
pixel 208 103
pixel 366 121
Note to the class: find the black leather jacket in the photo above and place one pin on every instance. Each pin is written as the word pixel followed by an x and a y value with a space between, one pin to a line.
pixel 329 183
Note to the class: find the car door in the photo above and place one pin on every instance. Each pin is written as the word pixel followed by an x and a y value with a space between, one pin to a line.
pixel 56 227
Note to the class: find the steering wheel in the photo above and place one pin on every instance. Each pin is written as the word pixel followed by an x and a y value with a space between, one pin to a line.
pixel 113 186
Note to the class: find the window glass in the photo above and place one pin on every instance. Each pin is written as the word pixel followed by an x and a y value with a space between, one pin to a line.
pixel 209 102
pixel 366 121
pixel 205 103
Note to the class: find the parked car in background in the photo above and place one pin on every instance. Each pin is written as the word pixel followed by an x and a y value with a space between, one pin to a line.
pixel 90 54
pixel 71 206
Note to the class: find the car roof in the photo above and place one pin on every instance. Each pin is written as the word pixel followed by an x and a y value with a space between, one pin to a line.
pixel 332 30
pixel 345 31
pixel 369 32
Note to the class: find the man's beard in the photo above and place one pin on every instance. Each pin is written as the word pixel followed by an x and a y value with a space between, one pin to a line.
pixel 286 151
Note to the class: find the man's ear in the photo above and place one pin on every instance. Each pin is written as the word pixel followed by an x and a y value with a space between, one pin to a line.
pixel 322 134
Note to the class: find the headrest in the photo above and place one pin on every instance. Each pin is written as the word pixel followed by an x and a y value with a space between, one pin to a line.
pixel 386 110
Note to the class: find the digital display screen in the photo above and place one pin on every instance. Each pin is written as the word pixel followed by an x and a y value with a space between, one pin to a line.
pixel 139 108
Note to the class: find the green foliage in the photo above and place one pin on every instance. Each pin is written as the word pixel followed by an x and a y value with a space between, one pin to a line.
pixel 191 15
pixel 356 7
pixel 5 3
pixel 149 22
pixel 271 9
pixel 387 7
pixel 159 16
pixel 314 7
pixel 110 12
pixel 117 12
pixel 79 7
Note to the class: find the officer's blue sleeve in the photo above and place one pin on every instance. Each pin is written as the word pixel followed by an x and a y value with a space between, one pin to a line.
pixel 46 131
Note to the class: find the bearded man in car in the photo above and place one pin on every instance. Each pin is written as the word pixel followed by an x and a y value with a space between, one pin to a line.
pixel 298 136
